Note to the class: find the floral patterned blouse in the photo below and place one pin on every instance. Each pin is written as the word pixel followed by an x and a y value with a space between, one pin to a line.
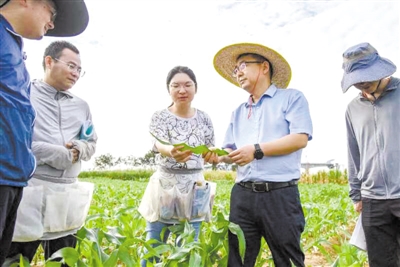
pixel 194 131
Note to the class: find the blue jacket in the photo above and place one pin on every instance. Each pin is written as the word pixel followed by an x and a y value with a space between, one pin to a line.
pixel 17 116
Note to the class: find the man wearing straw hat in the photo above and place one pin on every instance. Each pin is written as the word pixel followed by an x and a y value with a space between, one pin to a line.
pixel 373 127
pixel 31 19
pixel 265 138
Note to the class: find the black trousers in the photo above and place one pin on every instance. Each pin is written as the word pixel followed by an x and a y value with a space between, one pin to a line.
pixel 10 197
pixel 28 249
pixel 381 224
pixel 276 215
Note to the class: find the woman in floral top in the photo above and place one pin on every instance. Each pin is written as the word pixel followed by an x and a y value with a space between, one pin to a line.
pixel 177 191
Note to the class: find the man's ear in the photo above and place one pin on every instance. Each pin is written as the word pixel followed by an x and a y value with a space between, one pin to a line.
pixel 266 67
pixel 23 3
pixel 48 61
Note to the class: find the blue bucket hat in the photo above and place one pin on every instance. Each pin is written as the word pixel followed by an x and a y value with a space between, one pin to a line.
pixel 362 63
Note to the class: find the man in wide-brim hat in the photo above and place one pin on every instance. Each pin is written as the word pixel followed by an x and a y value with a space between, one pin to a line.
pixel 373 127
pixel 31 19
pixel 67 17
pixel 265 138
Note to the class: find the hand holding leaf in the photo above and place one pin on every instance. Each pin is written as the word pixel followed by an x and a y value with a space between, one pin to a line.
pixel 196 150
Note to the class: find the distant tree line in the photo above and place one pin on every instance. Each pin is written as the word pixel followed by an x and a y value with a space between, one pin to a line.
pixel 108 161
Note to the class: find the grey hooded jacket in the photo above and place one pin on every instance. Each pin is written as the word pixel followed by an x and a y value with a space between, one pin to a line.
pixel 60 116
pixel 374 146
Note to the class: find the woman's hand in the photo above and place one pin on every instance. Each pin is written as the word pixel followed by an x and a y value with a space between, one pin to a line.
pixel 180 156
pixel 210 157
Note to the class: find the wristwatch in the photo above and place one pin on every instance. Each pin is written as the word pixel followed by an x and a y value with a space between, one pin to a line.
pixel 258 154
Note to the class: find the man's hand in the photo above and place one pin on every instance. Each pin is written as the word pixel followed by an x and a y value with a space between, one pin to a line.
pixel 74 151
pixel 243 155
pixel 358 206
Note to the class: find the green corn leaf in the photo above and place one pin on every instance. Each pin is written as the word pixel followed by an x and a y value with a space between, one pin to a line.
pixel 69 255
pixel 196 150
pixel 23 262
pixel 112 260
pixel 195 259
pixel 235 229
pixel 124 256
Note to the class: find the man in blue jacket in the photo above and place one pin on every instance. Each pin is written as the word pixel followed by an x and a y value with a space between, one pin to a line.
pixel 17 163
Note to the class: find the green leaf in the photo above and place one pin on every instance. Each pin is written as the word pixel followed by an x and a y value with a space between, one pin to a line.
pixel 53 264
pixel 161 141
pixel 235 229
pixel 196 150
pixel 124 256
pixel 220 152
pixel 179 254
pixel 69 255
pixel 112 260
pixel 23 262
pixel 195 259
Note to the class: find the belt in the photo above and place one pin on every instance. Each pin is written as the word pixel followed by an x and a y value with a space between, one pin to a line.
pixel 266 186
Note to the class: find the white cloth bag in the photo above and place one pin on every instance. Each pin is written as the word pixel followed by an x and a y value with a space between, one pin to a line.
pixel 29 224
pixel 50 207
pixel 67 206
pixel 358 237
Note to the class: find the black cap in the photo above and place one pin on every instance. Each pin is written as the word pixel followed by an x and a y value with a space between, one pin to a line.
pixel 72 18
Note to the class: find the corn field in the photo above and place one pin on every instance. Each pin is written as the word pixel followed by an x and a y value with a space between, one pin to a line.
pixel 114 232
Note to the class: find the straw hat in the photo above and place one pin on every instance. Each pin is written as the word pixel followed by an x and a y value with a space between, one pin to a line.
pixel 362 63
pixel 72 17
pixel 225 62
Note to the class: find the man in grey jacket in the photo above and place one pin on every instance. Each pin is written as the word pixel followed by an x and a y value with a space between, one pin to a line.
pixel 373 127
pixel 55 203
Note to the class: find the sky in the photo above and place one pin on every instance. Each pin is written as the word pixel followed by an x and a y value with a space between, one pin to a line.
pixel 129 47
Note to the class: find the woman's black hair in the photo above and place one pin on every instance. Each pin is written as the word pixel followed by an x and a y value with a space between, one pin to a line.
pixel 181 69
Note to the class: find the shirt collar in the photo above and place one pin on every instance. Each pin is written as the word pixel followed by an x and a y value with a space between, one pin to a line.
pixel 51 91
pixel 271 91
pixel 8 27
pixel 5 23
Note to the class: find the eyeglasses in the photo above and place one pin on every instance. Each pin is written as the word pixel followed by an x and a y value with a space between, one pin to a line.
pixel 176 86
pixel 51 6
pixel 53 15
pixel 72 67
pixel 242 67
